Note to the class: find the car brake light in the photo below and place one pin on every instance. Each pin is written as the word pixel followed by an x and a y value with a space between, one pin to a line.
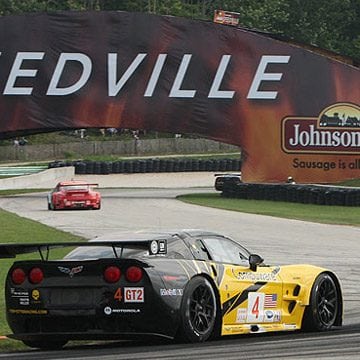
pixel 36 275
pixel 134 274
pixel 112 274
pixel 18 276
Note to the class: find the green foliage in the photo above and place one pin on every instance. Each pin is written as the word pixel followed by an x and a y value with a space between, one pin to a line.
pixel 352 183
pixel 16 229
pixel 329 24
pixel 344 215
pixel 16 192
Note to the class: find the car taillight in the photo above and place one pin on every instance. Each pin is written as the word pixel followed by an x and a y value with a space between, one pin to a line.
pixel 112 274
pixel 36 275
pixel 134 274
pixel 18 276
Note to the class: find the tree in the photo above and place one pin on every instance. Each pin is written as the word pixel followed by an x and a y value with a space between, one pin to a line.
pixel 330 24
pixel 324 23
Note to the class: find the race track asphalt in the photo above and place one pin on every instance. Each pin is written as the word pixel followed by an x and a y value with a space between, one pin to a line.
pixel 144 204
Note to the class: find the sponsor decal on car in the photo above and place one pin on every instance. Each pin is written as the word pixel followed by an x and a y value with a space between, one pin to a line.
pixel 257 302
pixel 133 294
pixel 241 315
pixel 290 326
pixel 108 311
pixel 158 247
pixel 254 277
pixel 256 311
pixel 272 316
pixel 127 311
pixel 23 296
pixel 24 301
pixel 171 292
pixel 28 311
pixel 35 294
pixel 18 293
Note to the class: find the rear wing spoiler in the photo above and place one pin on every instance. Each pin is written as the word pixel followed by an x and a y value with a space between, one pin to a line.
pixel 10 250
pixel 81 183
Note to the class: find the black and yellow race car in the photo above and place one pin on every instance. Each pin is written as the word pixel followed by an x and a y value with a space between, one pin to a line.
pixel 188 284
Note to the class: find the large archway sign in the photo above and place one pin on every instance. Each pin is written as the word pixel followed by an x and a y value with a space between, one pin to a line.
pixel 292 111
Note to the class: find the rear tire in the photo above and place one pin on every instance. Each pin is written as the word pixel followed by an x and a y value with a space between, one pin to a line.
pixel 198 311
pixel 321 313
pixel 46 345
pixel 50 204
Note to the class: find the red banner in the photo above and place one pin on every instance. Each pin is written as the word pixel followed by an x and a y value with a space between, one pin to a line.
pixel 132 70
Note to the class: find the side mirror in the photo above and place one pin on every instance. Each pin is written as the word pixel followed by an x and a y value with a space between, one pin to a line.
pixel 254 261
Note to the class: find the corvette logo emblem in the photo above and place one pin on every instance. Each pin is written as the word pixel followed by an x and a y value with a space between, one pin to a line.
pixel 71 272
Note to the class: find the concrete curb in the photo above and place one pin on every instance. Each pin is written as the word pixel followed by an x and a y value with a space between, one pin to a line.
pixel 49 178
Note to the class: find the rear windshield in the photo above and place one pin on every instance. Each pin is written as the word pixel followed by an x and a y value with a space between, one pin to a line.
pixel 176 249
pixel 75 188
pixel 101 252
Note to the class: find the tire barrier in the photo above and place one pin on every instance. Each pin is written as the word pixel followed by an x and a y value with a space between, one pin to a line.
pixel 149 166
pixel 306 194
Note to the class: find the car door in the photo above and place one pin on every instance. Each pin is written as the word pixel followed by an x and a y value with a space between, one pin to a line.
pixel 247 296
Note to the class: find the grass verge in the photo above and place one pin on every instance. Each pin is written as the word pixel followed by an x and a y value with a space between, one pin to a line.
pixel 16 229
pixel 353 183
pixel 343 215
pixel 206 156
pixel 20 191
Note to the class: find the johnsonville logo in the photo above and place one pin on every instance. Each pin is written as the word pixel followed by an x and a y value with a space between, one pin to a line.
pixel 336 130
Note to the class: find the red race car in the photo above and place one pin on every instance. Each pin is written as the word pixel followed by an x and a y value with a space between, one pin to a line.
pixel 74 194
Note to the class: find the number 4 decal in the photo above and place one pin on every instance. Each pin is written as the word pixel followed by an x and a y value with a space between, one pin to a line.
pixel 117 295
pixel 255 307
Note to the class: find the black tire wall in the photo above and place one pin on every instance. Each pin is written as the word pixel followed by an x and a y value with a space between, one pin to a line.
pixel 149 166
pixel 306 194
